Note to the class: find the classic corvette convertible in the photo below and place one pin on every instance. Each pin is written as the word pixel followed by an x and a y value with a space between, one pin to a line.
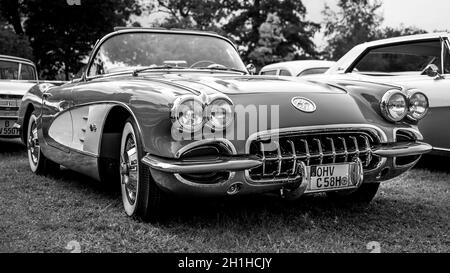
pixel 17 76
pixel 169 112
pixel 419 60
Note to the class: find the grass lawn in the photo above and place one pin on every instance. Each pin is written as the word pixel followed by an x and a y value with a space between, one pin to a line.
pixel 43 214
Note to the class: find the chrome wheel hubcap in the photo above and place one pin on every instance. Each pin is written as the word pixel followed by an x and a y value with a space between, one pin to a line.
pixel 129 169
pixel 33 144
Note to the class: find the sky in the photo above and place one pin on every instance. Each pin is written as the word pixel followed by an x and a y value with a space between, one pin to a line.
pixel 430 15
pixel 426 14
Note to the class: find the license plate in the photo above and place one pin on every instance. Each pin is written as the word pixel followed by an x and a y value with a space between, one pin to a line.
pixel 7 129
pixel 330 177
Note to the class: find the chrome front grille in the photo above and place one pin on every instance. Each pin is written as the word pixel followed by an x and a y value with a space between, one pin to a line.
pixel 282 155
pixel 9 105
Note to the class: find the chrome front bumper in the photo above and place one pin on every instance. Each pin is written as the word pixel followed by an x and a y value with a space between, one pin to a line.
pixel 168 172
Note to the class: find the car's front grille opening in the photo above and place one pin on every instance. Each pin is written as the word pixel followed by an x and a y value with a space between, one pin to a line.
pixel 211 151
pixel 281 156
pixel 9 105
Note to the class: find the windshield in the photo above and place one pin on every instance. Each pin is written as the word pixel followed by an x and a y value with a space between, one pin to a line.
pixel 404 58
pixel 138 50
pixel 16 71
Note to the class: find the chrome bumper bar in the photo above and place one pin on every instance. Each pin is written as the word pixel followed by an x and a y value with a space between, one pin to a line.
pixel 202 164
pixel 242 163
pixel 402 149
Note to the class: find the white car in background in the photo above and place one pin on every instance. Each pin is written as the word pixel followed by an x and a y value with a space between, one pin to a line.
pixel 17 76
pixel 297 68
pixel 419 61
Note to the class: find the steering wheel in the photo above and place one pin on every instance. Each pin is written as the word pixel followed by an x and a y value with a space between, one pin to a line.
pixel 200 62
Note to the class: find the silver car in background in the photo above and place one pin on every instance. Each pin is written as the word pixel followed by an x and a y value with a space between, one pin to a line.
pixel 296 68
pixel 17 76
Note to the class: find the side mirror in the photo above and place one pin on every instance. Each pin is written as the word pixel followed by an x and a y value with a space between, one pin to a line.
pixel 251 68
pixel 432 71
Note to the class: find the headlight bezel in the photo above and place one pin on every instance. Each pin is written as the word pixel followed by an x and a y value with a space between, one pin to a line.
pixel 206 102
pixel 177 109
pixel 411 94
pixel 385 104
pixel 209 109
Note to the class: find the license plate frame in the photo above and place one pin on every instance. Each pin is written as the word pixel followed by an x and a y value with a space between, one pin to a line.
pixel 7 128
pixel 333 177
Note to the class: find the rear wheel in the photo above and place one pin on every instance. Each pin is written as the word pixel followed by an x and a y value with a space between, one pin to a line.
pixel 141 197
pixel 359 197
pixel 39 164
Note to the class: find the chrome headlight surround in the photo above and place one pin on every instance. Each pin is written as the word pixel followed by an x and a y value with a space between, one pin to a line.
pixel 220 113
pixel 391 100
pixel 187 113
pixel 418 105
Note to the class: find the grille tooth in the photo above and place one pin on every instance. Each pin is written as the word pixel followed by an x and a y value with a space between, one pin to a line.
pixel 355 143
pixel 282 156
pixel 307 153
pixel 294 157
pixel 263 158
pixel 319 149
pixel 333 148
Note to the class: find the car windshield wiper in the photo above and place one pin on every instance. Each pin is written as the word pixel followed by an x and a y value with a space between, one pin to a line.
pixel 137 71
pixel 222 68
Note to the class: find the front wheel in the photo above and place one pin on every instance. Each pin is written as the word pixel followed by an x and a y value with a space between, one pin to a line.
pixel 141 197
pixel 39 164
pixel 359 197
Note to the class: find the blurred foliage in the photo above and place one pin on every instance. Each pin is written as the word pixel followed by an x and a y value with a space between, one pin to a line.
pixel 62 35
pixel 354 22
pixel 390 32
pixel 266 31
pixel 241 20
pixel 14 44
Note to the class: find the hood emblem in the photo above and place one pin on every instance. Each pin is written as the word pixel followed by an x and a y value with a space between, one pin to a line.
pixel 304 104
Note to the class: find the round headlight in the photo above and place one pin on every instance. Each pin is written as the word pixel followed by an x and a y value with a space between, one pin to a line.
pixel 188 115
pixel 220 114
pixel 394 105
pixel 418 106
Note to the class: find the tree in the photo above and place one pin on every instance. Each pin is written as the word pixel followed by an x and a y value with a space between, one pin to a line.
pixel 389 32
pixel 13 44
pixel 62 35
pixel 10 10
pixel 295 31
pixel 355 22
pixel 270 37
pixel 194 14
pixel 241 21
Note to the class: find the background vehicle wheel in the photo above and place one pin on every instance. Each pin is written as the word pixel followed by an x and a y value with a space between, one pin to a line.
pixel 141 197
pixel 359 197
pixel 39 164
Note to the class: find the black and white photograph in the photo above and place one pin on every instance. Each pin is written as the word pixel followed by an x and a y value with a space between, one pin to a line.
pixel 236 130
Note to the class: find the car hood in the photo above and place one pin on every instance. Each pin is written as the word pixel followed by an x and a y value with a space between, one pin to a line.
pixel 238 84
pixel 16 88
pixel 334 104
